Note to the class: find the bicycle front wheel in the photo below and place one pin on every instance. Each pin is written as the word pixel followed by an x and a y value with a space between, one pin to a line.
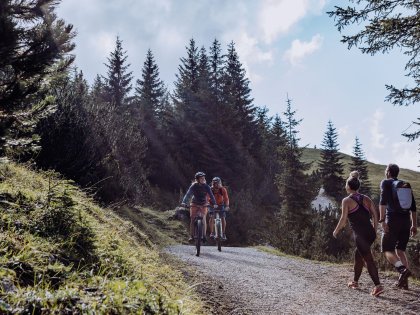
pixel 198 235
pixel 219 235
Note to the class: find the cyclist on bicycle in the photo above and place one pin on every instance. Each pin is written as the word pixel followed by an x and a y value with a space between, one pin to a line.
pixel 199 190
pixel 222 202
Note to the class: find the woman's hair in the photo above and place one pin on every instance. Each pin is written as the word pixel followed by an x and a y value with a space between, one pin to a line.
pixel 353 181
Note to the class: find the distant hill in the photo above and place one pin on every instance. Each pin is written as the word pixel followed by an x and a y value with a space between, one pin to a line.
pixel 376 172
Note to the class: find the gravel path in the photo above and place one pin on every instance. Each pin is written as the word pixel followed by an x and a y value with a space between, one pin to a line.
pixel 249 281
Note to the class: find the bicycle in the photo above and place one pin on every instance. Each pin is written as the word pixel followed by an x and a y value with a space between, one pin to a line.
pixel 198 228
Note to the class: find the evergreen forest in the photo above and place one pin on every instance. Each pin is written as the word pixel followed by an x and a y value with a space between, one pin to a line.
pixel 132 141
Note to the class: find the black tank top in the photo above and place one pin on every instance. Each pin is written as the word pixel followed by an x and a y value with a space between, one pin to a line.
pixel 359 216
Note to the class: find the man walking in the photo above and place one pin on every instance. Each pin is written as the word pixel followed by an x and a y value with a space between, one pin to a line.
pixel 399 220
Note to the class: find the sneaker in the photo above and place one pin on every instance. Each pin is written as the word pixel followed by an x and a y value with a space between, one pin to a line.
pixel 402 279
pixel 191 239
pixel 212 236
pixel 353 285
pixel 402 285
pixel 224 237
pixel 377 290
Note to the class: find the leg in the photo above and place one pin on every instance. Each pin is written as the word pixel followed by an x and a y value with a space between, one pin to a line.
pixel 371 267
pixel 211 222
pixel 402 256
pixel 358 265
pixel 403 280
pixel 389 244
pixel 193 213
pixel 224 225
pixel 391 257
pixel 192 227
pixel 205 225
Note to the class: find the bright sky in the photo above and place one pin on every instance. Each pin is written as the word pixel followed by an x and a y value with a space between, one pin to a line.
pixel 288 47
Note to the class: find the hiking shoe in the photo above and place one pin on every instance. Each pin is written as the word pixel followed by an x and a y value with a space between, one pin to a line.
pixel 402 279
pixel 353 285
pixel 377 290
pixel 402 285
pixel 212 236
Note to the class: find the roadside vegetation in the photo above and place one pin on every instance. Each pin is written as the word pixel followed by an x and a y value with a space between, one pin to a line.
pixel 60 252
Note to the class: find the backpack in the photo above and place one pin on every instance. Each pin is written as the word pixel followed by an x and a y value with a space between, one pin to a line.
pixel 402 195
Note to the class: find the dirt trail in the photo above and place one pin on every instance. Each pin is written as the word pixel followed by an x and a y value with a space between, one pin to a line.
pixel 249 281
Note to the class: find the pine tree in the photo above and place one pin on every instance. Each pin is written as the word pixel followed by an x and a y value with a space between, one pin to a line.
pixel 150 89
pixel 292 182
pixel 359 163
pixel 66 145
pixel 149 96
pixel 331 167
pixel 118 80
pixel 390 25
pixel 34 45
pixel 216 61
pixel 187 78
pixel 278 133
pixel 193 113
pixel 236 94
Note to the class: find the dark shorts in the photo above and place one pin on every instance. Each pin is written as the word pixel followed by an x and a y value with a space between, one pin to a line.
pixel 222 213
pixel 398 235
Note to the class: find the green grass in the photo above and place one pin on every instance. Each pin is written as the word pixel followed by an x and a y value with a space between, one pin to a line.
pixel 276 252
pixel 160 227
pixel 60 252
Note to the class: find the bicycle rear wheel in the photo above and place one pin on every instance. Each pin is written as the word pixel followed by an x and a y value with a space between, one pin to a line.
pixel 198 235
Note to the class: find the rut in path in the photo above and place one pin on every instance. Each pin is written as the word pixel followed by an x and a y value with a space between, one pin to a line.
pixel 250 281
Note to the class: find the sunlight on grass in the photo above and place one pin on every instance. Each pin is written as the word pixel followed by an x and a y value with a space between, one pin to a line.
pixel 60 251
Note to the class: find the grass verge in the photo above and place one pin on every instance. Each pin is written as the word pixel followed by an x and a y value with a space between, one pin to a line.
pixel 61 253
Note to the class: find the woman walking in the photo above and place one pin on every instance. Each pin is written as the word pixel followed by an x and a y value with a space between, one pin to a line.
pixel 358 209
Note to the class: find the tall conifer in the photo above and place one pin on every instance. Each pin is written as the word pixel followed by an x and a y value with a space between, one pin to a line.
pixel 34 46
pixel 150 89
pixel 359 163
pixel 237 95
pixel 331 167
pixel 118 80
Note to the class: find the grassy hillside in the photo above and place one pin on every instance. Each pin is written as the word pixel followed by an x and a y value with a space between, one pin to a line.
pixel 61 253
pixel 376 171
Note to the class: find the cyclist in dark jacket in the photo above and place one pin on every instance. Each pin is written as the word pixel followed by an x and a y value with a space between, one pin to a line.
pixel 358 208
pixel 199 190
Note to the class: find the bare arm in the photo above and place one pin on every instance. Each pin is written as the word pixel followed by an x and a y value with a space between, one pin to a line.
pixel 382 218
pixel 343 219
